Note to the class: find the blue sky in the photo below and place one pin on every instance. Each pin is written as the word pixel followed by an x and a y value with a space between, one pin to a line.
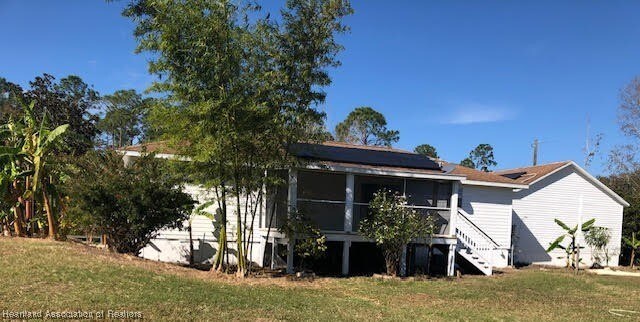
pixel 450 73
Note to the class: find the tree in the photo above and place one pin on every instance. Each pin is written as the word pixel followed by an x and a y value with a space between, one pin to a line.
pixel 366 126
pixel 245 91
pixel 624 161
pixel 481 158
pixel 467 163
pixel 69 101
pixel 10 95
pixel 572 249
pixel 392 225
pixel 598 239
pixel 626 186
pixel 122 123
pixel 634 245
pixel 129 203
pixel 426 149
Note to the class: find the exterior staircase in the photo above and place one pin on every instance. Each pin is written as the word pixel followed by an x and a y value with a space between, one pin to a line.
pixel 474 245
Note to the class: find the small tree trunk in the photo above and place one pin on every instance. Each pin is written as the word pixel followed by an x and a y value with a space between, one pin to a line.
pixel 191 261
pixel 391 267
pixel 28 208
pixel 239 243
pixel 51 221
pixel 17 221
pixel 218 260
pixel 392 258
pixel 633 257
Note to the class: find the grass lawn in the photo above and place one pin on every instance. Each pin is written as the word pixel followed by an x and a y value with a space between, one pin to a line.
pixel 39 275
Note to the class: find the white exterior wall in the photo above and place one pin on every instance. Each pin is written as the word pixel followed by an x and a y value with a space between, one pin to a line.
pixel 172 245
pixel 558 196
pixel 490 209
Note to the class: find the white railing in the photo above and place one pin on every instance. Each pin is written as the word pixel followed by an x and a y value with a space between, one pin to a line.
pixel 474 238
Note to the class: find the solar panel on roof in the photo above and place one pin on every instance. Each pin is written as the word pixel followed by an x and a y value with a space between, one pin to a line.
pixel 362 156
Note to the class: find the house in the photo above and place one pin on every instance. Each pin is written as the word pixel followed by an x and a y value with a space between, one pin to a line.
pixel 477 212
pixel 564 191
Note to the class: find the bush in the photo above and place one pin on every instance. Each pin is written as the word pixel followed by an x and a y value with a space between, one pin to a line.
pixel 130 204
pixel 310 243
pixel 598 238
pixel 392 225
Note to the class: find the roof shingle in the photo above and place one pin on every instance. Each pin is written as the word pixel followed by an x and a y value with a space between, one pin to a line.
pixel 477 175
pixel 527 175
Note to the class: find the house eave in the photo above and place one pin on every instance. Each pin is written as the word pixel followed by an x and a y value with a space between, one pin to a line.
pixel 380 172
pixel 157 155
pixel 495 184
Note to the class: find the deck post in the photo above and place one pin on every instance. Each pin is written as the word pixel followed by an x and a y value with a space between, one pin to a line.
pixel 453 216
pixel 292 202
pixel 348 222
pixel 348 204
pixel 451 260
pixel 273 253
pixel 345 257
pixel 453 205
pixel 403 261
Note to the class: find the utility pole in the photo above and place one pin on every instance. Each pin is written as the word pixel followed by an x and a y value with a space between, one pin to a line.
pixel 535 151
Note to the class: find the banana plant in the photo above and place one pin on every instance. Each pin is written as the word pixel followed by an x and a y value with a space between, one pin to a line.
pixel 38 144
pixel 571 249
pixel 11 172
pixel 634 244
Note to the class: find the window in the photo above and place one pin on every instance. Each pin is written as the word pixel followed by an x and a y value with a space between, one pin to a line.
pixel 366 187
pixel 276 202
pixel 428 197
pixel 321 185
pixel 328 216
pixel 428 193
pixel 420 192
pixel 443 194
pixel 321 198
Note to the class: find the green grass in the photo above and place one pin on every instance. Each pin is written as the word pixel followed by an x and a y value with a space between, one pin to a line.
pixel 39 275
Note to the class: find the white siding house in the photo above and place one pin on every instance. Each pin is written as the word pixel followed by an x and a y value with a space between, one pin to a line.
pixel 489 208
pixel 566 192
pixel 486 220
pixel 173 245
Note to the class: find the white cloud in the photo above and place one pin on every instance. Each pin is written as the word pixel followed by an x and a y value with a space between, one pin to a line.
pixel 479 113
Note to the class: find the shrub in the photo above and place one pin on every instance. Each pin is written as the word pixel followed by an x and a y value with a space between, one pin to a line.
pixel 392 225
pixel 598 238
pixel 310 243
pixel 129 203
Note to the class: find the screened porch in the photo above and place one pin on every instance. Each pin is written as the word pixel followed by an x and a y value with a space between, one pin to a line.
pixel 336 202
